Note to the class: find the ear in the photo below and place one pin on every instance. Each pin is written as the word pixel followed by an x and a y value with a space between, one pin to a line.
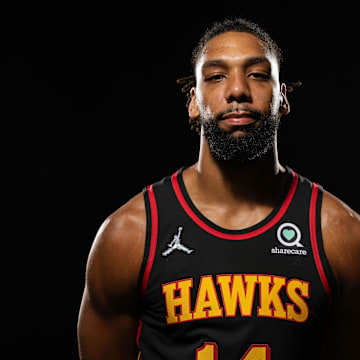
pixel 284 102
pixel 193 109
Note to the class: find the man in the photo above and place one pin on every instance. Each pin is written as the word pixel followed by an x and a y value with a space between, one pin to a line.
pixel 235 257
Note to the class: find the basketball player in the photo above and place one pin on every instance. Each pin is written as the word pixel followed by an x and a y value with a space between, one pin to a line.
pixel 237 256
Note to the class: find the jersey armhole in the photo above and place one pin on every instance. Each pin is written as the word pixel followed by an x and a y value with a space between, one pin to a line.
pixel 322 263
pixel 150 239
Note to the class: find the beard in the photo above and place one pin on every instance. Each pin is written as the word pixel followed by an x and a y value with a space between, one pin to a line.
pixel 255 141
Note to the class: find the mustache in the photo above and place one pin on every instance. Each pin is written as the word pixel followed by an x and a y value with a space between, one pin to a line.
pixel 257 115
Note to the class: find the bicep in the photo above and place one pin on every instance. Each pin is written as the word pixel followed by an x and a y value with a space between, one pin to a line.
pixel 106 335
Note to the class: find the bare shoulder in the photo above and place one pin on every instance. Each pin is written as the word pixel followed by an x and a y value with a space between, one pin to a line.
pixel 341 235
pixel 116 256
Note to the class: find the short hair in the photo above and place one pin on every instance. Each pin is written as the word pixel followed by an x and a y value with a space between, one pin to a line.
pixel 220 27
pixel 236 25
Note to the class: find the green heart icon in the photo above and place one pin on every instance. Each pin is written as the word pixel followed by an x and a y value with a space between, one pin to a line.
pixel 288 234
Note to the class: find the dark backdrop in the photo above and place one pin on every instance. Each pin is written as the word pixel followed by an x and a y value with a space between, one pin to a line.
pixel 92 114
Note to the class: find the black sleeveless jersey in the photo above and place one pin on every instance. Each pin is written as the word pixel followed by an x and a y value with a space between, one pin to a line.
pixel 215 294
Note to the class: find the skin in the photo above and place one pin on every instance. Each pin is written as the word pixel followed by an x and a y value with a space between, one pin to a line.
pixel 231 195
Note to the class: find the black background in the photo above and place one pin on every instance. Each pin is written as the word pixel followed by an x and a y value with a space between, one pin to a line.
pixel 91 114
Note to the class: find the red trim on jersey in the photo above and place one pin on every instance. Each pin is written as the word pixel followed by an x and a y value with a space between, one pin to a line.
pixel 138 333
pixel 212 231
pixel 314 240
pixel 153 238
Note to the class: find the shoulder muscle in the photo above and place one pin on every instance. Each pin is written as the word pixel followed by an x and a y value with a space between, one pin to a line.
pixel 341 234
pixel 116 256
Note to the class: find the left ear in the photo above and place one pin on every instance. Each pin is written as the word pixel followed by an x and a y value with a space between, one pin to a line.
pixel 284 102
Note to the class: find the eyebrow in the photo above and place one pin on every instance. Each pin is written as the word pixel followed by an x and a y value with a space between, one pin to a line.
pixel 249 62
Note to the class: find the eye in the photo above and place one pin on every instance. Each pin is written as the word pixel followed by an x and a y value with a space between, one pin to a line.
pixel 259 75
pixel 215 77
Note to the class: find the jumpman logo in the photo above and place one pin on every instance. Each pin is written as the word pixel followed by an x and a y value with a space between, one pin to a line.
pixel 176 245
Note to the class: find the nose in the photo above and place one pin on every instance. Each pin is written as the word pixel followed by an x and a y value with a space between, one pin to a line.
pixel 237 89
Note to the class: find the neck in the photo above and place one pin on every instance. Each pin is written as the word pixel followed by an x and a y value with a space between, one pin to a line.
pixel 230 182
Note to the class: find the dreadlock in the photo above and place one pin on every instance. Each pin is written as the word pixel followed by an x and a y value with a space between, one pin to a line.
pixel 188 82
pixel 228 25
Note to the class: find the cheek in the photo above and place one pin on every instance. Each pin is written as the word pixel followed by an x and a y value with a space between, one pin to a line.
pixel 211 98
pixel 264 100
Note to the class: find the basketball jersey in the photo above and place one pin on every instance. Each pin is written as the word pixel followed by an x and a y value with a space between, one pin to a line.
pixel 210 293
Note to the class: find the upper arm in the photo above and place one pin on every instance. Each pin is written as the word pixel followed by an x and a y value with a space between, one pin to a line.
pixel 341 235
pixel 108 318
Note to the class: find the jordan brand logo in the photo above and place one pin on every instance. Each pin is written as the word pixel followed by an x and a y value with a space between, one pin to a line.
pixel 176 245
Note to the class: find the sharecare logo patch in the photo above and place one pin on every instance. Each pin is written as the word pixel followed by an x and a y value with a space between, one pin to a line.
pixel 237 298
pixel 289 234
pixel 289 237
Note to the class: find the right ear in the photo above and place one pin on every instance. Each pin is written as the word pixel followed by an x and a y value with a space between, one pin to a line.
pixel 193 109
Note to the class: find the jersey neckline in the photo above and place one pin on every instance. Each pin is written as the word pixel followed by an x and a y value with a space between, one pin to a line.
pixel 203 222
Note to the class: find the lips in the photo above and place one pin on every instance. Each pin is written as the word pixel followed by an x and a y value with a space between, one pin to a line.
pixel 239 118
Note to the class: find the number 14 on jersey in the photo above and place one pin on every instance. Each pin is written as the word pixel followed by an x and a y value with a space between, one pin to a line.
pixel 209 351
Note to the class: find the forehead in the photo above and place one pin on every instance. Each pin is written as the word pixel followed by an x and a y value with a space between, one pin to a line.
pixel 234 45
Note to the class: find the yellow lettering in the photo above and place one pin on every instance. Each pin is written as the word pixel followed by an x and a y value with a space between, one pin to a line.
pixel 207 302
pixel 237 292
pixel 271 296
pixel 183 301
pixel 233 293
pixel 293 295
